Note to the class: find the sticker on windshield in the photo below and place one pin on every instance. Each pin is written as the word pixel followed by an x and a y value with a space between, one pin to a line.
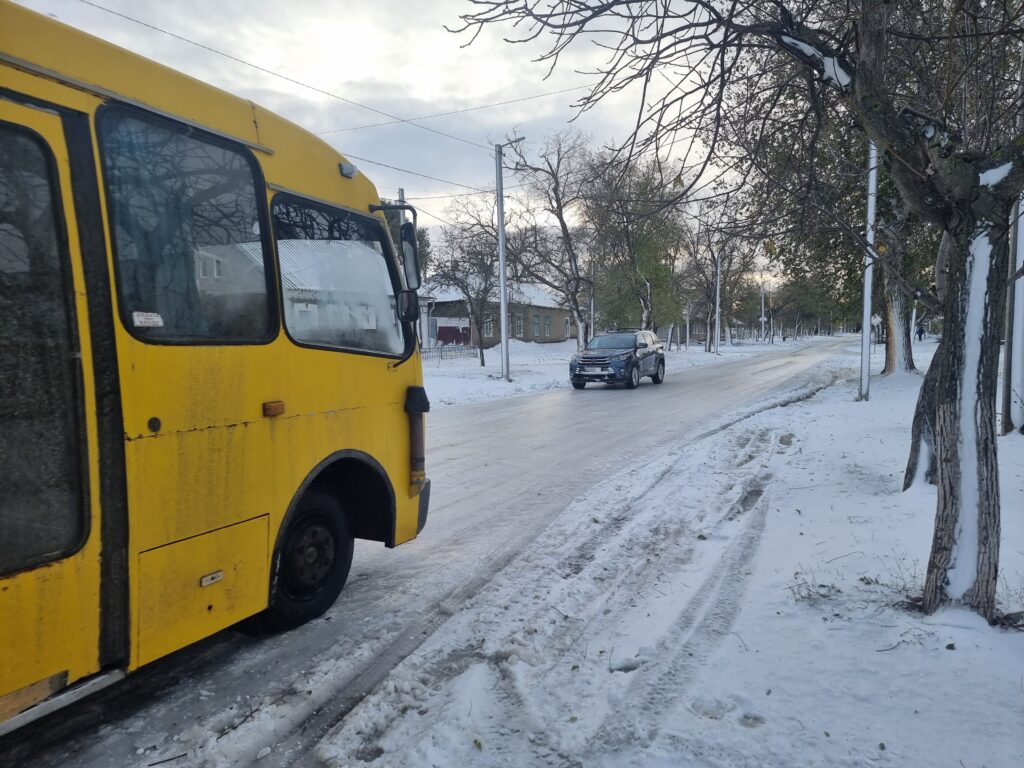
pixel 147 320
pixel 367 318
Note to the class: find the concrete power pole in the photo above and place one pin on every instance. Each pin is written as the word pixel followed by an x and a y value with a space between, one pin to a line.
pixel 1013 353
pixel 763 318
pixel 593 301
pixel 502 285
pixel 869 260
pixel 718 300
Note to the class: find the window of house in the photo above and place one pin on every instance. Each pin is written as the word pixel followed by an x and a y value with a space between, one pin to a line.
pixel 336 260
pixel 177 201
pixel 547 326
pixel 536 326
pixel 519 325
pixel 489 328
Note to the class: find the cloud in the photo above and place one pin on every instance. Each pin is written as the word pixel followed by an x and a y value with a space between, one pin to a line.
pixel 392 55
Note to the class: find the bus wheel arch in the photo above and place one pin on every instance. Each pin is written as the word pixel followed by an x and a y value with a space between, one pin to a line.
pixel 347 496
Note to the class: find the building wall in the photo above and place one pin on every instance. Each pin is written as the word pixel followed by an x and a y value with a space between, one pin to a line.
pixel 526 323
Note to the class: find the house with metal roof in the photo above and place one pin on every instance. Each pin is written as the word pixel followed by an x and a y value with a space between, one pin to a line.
pixel 534 314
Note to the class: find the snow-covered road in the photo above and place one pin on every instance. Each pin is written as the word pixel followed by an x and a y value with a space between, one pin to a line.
pixel 502 472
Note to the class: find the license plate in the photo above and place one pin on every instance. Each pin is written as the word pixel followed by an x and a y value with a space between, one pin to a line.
pixel 591 369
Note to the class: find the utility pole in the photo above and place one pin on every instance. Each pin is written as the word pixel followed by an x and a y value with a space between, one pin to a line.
pixel 718 299
pixel 1013 331
pixel 502 285
pixel 763 318
pixel 593 301
pixel 687 327
pixel 869 261
pixel 1013 352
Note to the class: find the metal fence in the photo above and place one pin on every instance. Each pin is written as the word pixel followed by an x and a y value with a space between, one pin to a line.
pixel 678 336
pixel 449 352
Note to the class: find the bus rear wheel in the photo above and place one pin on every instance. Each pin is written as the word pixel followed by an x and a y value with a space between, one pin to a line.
pixel 312 564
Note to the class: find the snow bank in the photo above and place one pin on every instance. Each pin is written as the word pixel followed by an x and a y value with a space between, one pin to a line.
pixel 735 601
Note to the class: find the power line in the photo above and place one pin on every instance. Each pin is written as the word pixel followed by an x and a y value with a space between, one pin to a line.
pixel 454 111
pixel 282 77
pixel 434 216
pixel 414 173
pixel 461 194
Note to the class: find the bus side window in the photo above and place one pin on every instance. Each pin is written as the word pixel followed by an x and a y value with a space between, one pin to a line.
pixel 41 508
pixel 186 231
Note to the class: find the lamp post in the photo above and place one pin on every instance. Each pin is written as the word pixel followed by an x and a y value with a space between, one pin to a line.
pixel 502 286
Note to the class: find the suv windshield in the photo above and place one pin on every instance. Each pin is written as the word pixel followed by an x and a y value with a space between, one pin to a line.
pixel 612 341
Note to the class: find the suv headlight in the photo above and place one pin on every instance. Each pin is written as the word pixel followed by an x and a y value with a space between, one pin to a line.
pixel 623 356
pixel 575 360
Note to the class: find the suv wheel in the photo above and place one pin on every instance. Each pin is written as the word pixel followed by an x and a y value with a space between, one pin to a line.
pixel 579 384
pixel 659 375
pixel 634 377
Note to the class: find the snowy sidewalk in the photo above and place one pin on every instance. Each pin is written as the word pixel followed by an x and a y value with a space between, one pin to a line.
pixel 732 603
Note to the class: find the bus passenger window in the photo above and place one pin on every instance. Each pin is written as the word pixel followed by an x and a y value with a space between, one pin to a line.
pixel 338 291
pixel 41 509
pixel 186 232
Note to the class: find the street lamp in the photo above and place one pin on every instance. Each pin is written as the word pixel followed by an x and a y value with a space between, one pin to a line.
pixel 502 286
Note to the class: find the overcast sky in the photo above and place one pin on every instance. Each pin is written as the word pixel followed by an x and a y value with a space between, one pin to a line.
pixel 391 55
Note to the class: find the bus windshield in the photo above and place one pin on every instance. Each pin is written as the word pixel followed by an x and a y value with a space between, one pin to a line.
pixel 338 290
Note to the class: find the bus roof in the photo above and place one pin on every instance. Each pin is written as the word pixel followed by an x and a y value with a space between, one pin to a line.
pixel 292 157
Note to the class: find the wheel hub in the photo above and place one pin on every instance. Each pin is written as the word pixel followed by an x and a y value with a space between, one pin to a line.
pixel 311 557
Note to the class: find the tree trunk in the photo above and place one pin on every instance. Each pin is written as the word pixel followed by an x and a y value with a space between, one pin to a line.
pixel 922 433
pixel 964 557
pixel 898 355
pixel 577 317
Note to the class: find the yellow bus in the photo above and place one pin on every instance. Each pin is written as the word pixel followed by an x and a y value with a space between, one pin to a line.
pixel 210 382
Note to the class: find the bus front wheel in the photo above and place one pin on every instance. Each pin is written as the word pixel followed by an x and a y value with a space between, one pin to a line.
pixel 312 564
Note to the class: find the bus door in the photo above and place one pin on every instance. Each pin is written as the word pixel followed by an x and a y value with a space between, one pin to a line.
pixel 50 517
pixel 199 386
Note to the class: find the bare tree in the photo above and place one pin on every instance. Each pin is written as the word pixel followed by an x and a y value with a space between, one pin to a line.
pixel 555 187
pixel 467 259
pixel 954 170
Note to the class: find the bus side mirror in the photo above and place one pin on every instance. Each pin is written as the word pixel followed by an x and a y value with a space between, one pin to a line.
pixel 408 306
pixel 410 255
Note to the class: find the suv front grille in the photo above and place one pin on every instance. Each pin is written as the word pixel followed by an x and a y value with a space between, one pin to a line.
pixel 595 361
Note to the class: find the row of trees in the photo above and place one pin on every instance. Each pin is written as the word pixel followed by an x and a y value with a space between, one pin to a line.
pixel 585 224
pixel 776 101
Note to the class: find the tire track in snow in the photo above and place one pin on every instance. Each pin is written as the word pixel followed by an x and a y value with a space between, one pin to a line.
pixel 314 724
pixel 707 619
pixel 698 628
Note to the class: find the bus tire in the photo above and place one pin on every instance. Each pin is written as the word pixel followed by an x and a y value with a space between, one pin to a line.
pixel 312 564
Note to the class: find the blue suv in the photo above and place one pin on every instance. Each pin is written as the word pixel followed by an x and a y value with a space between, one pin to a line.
pixel 619 357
